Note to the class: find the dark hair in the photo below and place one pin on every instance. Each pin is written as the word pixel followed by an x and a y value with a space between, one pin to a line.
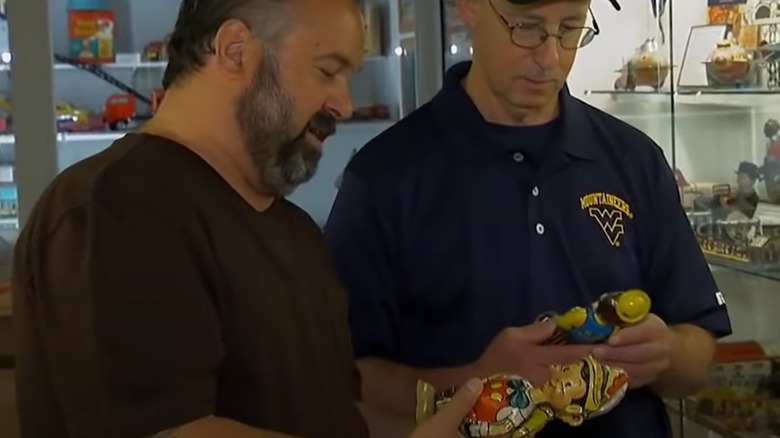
pixel 199 20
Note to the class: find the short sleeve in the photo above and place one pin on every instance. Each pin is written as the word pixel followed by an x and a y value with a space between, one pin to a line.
pixel 116 307
pixel 680 280
pixel 358 238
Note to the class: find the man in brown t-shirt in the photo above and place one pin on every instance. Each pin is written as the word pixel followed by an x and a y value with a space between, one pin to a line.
pixel 165 287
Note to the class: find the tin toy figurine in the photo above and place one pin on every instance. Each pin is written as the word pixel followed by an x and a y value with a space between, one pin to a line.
pixel 511 405
pixel 596 323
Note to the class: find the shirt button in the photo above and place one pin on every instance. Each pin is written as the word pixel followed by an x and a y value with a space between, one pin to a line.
pixel 535 191
pixel 539 229
pixel 518 156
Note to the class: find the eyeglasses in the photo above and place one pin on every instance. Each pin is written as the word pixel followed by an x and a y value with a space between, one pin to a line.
pixel 533 36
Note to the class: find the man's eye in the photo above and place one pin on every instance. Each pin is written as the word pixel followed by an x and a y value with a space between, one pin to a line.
pixel 327 73
pixel 527 25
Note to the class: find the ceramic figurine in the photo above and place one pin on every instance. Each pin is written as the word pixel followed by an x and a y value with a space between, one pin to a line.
pixel 771 167
pixel 511 405
pixel 728 65
pixel 647 67
pixel 595 324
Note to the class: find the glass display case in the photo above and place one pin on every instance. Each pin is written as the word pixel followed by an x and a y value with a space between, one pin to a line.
pixel 702 79
pixel 110 56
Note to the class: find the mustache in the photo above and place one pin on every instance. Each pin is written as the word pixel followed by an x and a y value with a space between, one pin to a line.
pixel 323 123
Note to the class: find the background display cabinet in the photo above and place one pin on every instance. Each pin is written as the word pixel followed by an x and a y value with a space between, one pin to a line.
pixel 107 58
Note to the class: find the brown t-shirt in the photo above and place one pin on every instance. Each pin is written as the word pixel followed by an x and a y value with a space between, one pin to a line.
pixel 148 294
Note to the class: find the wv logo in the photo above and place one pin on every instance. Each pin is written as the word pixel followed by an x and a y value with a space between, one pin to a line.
pixel 611 222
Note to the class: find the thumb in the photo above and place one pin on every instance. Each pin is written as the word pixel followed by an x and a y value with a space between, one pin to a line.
pixel 538 332
pixel 449 417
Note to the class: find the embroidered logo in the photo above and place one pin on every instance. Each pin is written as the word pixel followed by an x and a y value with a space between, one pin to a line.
pixel 610 213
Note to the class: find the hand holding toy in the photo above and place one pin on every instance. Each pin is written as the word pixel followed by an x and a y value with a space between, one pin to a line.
pixel 510 404
pixel 596 323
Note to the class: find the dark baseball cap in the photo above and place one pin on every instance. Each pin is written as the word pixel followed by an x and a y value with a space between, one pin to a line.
pixel 526 2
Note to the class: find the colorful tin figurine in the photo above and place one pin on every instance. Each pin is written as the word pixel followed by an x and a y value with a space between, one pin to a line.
pixel 510 405
pixel 596 323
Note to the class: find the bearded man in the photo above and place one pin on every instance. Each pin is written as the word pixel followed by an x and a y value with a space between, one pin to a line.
pixel 165 287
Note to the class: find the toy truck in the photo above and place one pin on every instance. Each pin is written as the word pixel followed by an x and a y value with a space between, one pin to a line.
pixel 120 110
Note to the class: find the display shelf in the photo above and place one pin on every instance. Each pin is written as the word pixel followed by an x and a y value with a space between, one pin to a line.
pixel 109 136
pixel 726 98
pixel 163 64
pixel 739 266
pixel 118 65
pixel 710 424
pixel 149 64
pixel 379 125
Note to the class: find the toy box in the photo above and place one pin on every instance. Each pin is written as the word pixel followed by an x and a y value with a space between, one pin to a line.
pixel 732 12
pixel 744 394
pixel 91 35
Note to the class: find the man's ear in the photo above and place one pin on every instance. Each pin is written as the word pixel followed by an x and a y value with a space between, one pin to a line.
pixel 467 11
pixel 231 46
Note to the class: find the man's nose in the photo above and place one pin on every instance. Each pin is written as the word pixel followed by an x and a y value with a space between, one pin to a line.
pixel 548 54
pixel 340 102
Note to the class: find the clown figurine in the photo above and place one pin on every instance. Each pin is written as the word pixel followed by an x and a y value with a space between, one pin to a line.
pixel 596 323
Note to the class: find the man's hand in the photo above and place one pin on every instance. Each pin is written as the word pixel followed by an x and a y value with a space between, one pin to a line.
pixel 643 350
pixel 446 422
pixel 519 351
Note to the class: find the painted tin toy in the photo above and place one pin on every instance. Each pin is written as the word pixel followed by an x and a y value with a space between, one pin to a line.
pixel 648 67
pixel 511 405
pixel 596 323
pixel 729 64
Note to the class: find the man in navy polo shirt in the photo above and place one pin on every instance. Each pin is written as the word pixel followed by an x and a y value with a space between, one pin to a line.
pixel 503 198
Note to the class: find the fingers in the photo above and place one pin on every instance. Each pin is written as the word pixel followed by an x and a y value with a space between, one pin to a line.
pixel 628 336
pixel 448 419
pixel 632 354
pixel 563 354
pixel 650 328
pixel 535 333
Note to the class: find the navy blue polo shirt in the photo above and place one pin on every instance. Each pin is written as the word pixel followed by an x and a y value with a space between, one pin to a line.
pixel 448 229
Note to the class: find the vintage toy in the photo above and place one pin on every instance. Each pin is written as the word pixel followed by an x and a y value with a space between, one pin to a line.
pixel 648 67
pixel 157 50
pixel 91 34
pixel 729 65
pixel 68 117
pixel 596 323
pixel 744 243
pixel 771 167
pixel 121 110
pixel 692 192
pixel 743 395
pixel 510 404
pixel 71 118
pixel 738 201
